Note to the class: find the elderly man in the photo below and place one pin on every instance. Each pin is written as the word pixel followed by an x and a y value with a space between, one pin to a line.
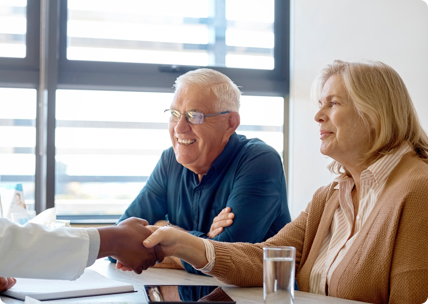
pixel 212 182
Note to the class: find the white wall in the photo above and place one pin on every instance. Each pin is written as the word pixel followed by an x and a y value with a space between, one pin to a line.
pixel 392 31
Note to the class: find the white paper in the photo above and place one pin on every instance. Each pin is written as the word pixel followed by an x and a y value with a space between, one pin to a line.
pixel 29 300
pixel 90 283
pixel 45 218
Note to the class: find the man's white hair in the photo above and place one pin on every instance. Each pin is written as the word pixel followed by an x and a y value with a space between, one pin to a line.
pixel 227 93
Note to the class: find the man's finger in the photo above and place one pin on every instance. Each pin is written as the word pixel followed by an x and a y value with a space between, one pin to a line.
pixel 215 232
pixel 145 222
pixel 118 265
pixel 222 224
pixel 6 283
pixel 227 210
pixel 223 217
pixel 138 270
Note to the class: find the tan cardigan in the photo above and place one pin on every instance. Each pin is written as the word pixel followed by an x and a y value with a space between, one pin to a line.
pixel 388 262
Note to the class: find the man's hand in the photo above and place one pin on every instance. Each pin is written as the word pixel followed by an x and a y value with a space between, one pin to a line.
pixel 6 283
pixel 222 220
pixel 124 243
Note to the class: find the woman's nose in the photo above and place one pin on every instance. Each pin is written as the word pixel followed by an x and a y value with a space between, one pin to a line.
pixel 320 116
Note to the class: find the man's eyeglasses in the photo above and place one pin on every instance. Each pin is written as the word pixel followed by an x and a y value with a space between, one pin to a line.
pixel 192 117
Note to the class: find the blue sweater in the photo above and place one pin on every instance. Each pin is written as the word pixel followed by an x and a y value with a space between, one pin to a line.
pixel 247 176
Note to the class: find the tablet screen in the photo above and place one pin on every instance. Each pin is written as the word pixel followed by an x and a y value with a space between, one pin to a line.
pixel 186 294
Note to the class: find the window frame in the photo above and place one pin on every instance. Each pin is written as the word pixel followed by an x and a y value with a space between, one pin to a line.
pixel 47 69
pixel 160 77
pixel 24 72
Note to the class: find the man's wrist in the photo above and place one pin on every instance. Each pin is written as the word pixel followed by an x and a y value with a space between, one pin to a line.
pixel 108 241
pixel 160 255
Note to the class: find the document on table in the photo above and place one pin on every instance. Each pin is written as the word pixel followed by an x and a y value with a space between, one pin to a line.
pixel 89 284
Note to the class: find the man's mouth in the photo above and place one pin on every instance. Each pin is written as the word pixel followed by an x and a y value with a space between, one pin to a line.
pixel 186 142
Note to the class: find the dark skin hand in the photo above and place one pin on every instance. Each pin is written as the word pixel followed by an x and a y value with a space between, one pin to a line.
pixel 124 243
pixel 6 283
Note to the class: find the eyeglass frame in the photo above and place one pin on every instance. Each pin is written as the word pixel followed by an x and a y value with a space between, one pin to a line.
pixel 187 117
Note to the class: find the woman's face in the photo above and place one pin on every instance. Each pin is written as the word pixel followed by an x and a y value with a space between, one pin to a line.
pixel 344 137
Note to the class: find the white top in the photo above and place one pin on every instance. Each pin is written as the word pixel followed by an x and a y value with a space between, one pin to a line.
pixel 35 251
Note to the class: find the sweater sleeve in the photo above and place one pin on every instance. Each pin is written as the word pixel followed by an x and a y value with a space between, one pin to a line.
pixel 241 264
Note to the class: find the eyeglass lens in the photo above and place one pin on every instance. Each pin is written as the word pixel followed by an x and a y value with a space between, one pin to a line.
pixel 192 117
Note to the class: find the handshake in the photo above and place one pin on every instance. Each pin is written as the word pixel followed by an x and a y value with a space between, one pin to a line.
pixel 133 243
pixel 124 242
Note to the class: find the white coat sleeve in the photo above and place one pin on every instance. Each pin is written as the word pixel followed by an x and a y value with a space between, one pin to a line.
pixel 35 251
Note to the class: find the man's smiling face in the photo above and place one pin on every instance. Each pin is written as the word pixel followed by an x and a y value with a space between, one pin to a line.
pixel 197 146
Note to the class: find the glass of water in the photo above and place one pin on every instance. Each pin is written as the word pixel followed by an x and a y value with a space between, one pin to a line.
pixel 278 274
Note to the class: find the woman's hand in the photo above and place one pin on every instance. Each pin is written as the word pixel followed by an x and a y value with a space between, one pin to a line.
pixel 168 237
pixel 222 220
pixel 6 283
pixel 178 243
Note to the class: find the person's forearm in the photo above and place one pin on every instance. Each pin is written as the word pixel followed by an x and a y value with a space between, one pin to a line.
pixel 192 250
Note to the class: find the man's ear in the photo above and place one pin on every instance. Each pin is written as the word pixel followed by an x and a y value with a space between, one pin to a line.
pixel 234 121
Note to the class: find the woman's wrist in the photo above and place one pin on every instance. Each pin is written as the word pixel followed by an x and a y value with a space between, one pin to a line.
pixel 192 250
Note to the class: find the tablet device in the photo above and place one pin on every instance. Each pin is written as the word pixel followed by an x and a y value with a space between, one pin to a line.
pixel 186 294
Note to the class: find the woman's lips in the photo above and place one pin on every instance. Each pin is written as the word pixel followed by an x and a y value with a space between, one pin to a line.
pixel 324 133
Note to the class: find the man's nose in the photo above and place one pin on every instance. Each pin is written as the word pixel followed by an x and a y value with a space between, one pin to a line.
pixel 182 125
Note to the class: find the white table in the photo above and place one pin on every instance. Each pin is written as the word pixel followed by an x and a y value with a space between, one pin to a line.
pixel 154 276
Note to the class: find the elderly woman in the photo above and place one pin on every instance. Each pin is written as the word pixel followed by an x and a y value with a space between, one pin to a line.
pixel 364 236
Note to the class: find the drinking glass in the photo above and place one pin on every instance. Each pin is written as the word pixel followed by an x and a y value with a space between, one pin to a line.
pixel 278 274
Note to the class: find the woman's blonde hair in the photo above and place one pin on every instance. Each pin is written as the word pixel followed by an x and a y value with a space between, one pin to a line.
pixel 381 99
